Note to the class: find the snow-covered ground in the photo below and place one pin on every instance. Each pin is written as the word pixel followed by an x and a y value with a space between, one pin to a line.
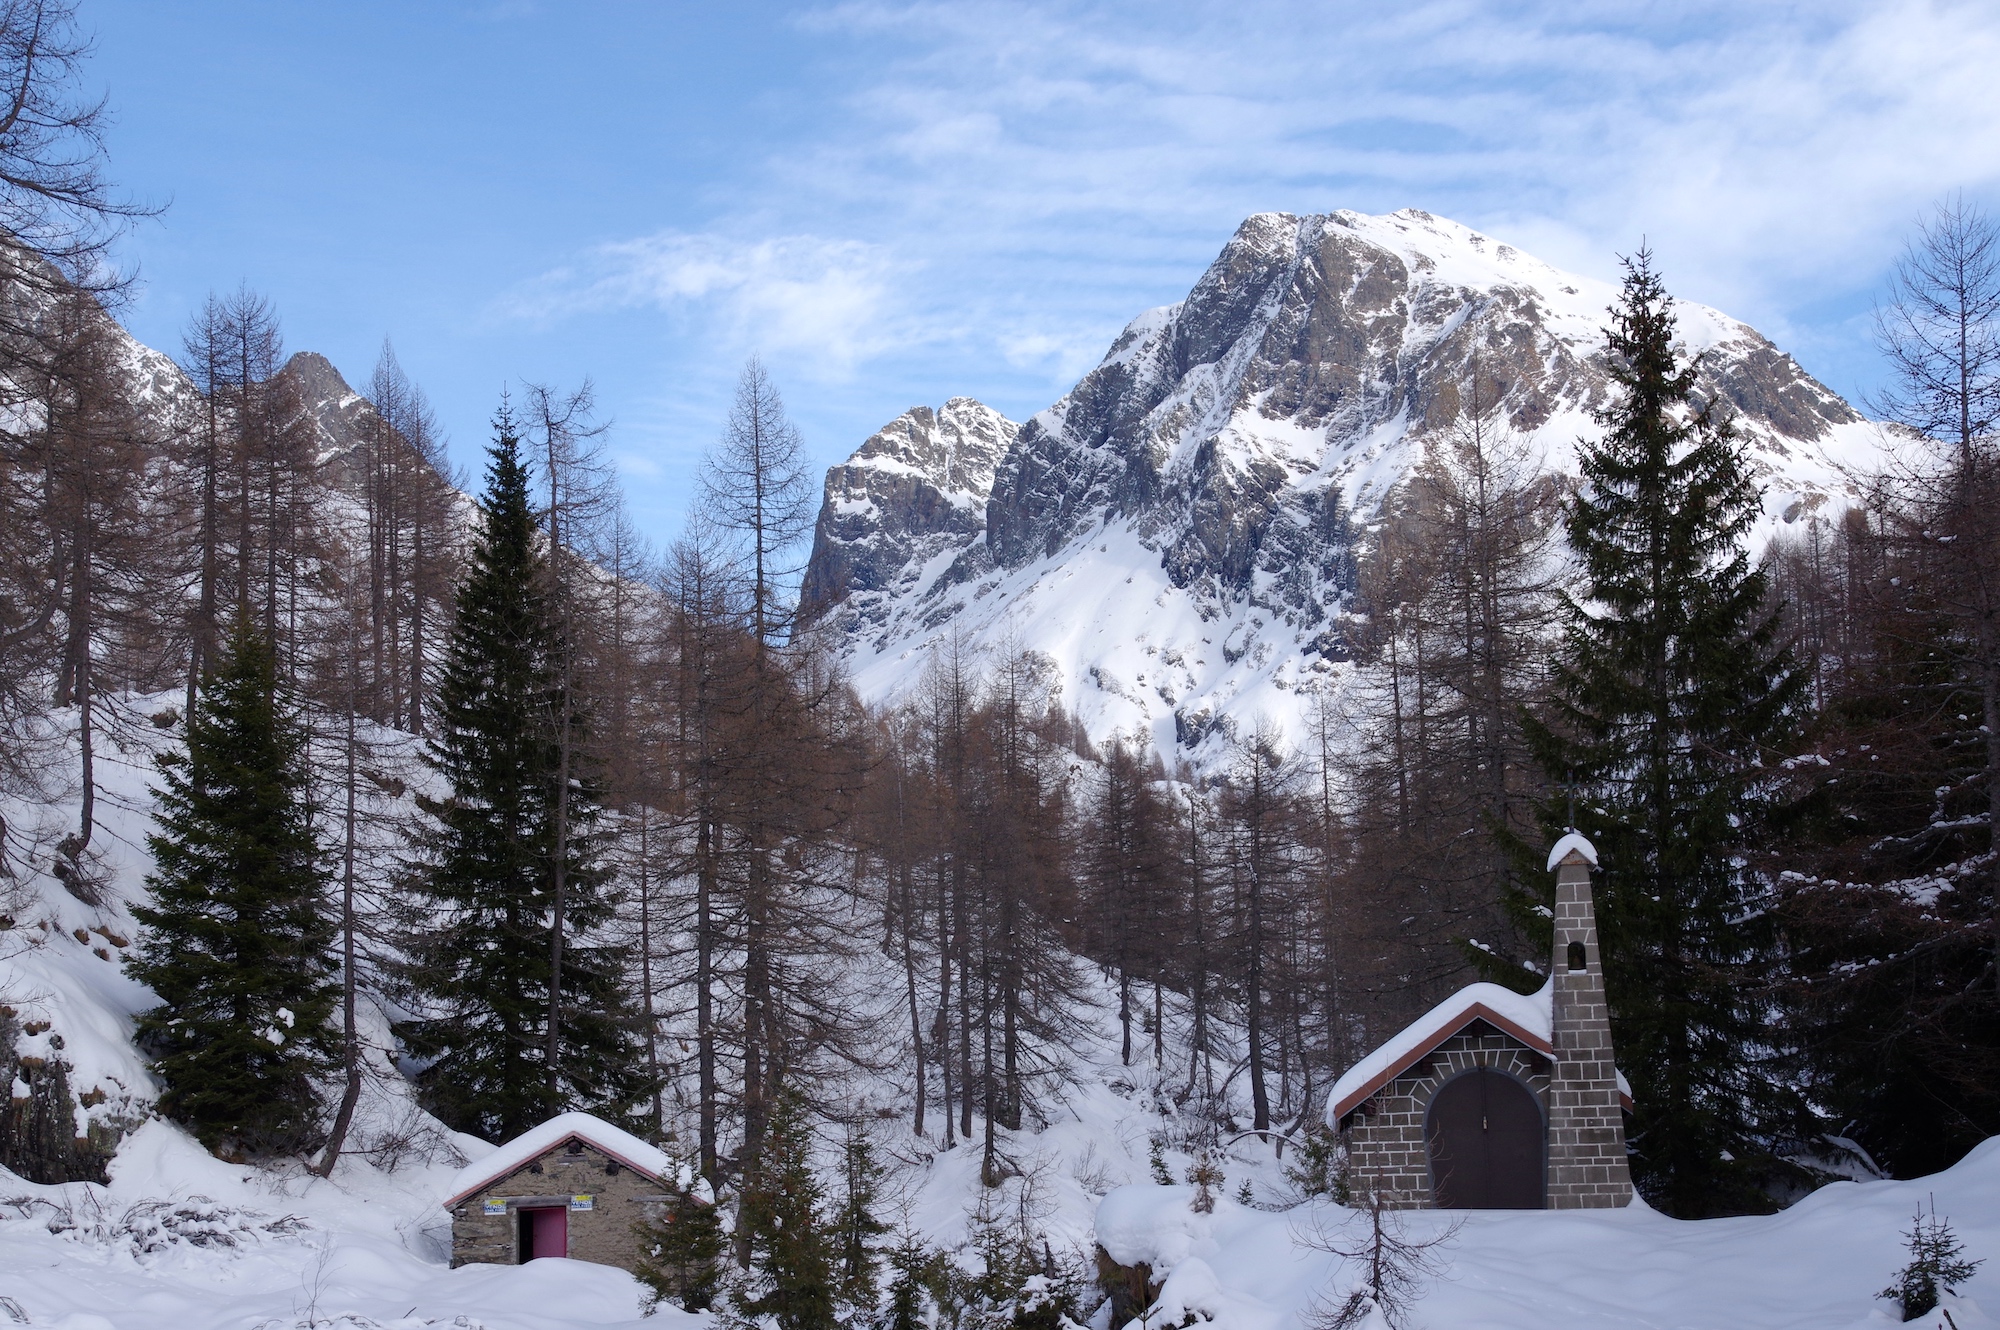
pixel 1816 1266
pixel 367 1248
pixel 181 1240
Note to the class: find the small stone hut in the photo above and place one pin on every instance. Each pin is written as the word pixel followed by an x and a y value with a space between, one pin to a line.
pixel 575 1186
pixel 1498 1100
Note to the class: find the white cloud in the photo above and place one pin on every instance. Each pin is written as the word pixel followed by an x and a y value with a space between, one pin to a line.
pixel 825 302
pixel 631 463
pixel 1773 153
pixel 992 188
pixel 1063 356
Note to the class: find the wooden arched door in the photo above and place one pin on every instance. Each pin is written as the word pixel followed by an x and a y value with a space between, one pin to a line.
pixel 1487 1142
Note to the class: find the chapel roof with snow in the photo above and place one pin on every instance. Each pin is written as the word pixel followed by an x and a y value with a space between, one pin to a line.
pixel 1526 1017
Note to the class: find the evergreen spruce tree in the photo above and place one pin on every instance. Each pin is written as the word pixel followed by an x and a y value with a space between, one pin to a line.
pixel 483 874
pixel 792 1261
pixel 855 1226
pixel 238 941
pixel 1937 1266
pixel 1672 693
pixel 916 1269
pixel 681 1252
pixel 1007 1257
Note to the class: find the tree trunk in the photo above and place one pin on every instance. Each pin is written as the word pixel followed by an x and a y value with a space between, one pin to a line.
pixel 350 1050
pixel 908 906
pixel 704 995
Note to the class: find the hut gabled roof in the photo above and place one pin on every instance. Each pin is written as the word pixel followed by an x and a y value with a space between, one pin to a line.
pixel 532 1144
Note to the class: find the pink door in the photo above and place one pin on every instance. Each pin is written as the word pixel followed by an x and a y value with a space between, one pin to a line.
pixel 549 1232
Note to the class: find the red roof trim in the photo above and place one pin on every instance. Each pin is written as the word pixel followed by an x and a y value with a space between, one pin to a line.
pixel 598 1146
pixel 1478 1011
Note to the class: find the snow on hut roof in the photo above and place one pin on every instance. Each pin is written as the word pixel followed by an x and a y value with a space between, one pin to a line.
pixel 532 1144
pixel 1573 841
pixel 1524 1016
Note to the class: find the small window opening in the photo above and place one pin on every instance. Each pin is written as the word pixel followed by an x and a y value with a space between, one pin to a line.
pixel 611 1168
pixel 1576 961
pixel 575 1148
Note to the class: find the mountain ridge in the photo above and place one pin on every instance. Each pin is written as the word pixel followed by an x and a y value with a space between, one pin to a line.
pixel 1235 445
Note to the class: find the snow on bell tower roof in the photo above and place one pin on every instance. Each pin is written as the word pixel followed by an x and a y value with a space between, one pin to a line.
pixel 1572 843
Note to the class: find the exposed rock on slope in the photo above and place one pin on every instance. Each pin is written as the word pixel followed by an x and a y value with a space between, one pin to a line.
pixel 341 417
pixel 915 490
pixel 1178 532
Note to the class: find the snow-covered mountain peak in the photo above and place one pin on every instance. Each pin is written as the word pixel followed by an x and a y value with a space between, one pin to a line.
pixel 1230 451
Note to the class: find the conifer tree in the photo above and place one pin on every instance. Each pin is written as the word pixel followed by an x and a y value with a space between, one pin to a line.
pixel 1671 693
pixel 792 1277
pixel 913 1263
pixel 1937 1266
pixel 238 940
pixel 855 1225
pixel 485 866
pixel 681 1251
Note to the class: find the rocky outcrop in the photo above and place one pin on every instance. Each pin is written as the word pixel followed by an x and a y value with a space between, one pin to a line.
pixel 916 489
pixel 47 1134
pixel 341 419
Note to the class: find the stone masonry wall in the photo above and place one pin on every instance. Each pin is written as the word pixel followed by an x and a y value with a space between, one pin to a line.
pixel 621 1199
pixel 1386 1146
pixel 1587 1163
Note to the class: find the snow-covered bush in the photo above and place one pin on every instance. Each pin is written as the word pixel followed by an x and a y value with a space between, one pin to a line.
pixel 152 1226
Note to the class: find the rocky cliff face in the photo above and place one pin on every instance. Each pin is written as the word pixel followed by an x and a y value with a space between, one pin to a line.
pixel 1219 468
pixel 916 490
pixel 341 417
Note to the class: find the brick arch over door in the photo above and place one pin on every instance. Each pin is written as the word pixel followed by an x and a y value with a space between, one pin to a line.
pixel 1480 1046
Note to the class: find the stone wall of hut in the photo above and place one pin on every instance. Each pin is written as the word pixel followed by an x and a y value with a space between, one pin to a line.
pixel 622 1198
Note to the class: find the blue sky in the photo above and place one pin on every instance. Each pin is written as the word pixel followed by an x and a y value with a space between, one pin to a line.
pixel 897 203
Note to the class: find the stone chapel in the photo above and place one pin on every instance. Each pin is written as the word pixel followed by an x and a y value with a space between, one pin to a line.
pixel 1498 1100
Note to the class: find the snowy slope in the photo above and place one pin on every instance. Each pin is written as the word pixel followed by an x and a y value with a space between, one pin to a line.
pixel 180 1239
pixel 1178 534
pixel 366 1250
pixel 1816 1266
